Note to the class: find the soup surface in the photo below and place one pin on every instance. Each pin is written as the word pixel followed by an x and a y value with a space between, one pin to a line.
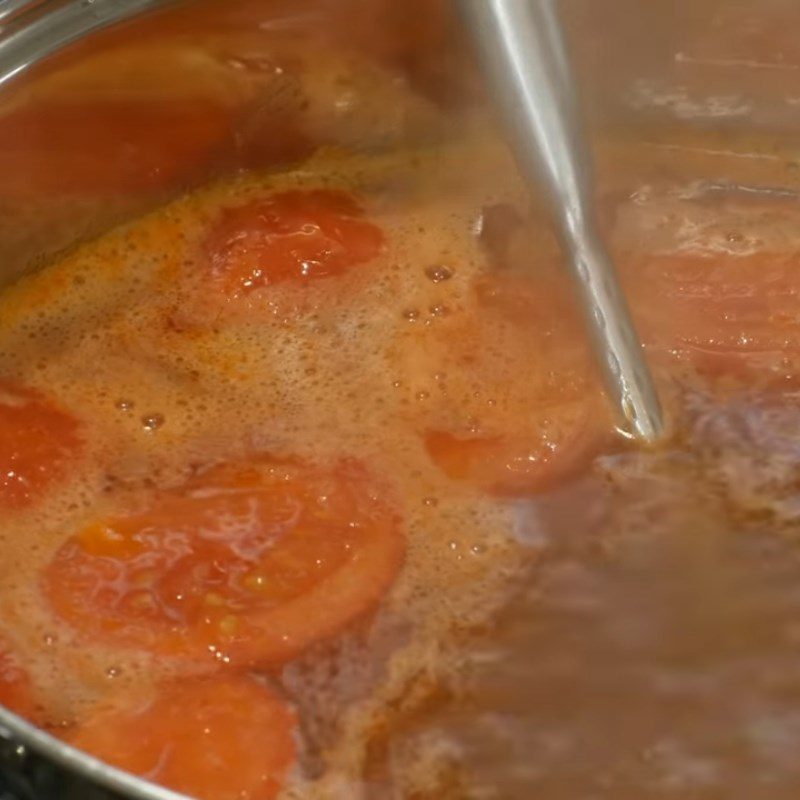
pixel 309 487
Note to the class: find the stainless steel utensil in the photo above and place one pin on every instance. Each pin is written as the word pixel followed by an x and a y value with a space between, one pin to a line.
pixel 525 60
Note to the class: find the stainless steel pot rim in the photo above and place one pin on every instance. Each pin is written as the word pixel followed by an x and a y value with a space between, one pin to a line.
pixel 27 735
pixel 39 28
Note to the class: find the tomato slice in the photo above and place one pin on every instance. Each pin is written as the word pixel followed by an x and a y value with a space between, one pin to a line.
pixel 15 685
pixel 37 440
pixel 727 314
pixel 545 427
pixel 247 562
pixel 297 235
pixel 567 437
pixel 106 147
pixel 224 739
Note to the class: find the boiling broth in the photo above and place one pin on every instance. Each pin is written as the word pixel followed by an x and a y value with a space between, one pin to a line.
pixel 551 610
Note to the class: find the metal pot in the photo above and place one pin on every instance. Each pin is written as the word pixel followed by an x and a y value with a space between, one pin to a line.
pixel 36 35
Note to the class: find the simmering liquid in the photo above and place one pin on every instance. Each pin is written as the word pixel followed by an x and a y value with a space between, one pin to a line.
pixel 309 487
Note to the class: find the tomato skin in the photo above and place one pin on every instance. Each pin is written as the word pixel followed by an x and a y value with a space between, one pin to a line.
pixel 297 235
pixel 246 563
pixel 37 440
pixel 222 739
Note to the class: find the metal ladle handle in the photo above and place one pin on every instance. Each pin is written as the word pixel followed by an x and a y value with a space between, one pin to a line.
pixel 527 69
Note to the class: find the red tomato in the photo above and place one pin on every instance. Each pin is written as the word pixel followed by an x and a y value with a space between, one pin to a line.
pixel 15 685
pixel 37 439
pixel 229 739
pixel 247 562
pixel 545 426
pixel 568 436
pixel 727 314
pixel 296 235
pixel 108 147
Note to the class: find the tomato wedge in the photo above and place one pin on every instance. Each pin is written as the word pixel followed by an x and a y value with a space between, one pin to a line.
pixel 297 235
pixel 727 314
pixel 521 439
pixel 226 739
pixel 37 440
pixel 15 685
pixel 568 436
pixel 248 562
